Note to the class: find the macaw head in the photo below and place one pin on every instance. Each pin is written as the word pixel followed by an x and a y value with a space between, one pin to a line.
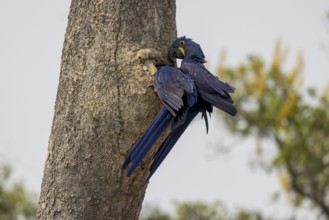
pixel 186 47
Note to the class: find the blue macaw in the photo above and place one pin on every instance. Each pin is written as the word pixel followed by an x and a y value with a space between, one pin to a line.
pixel 178 94
pixel 210 88
pixel 184 92
pixel 211 91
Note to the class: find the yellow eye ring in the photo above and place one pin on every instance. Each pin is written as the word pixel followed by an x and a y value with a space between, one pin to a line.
pixel 181 42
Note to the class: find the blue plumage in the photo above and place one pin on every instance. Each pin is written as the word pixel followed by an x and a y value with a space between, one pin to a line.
pixel 171 140
pixel 178 94
pixel 210 88
pixel 185 93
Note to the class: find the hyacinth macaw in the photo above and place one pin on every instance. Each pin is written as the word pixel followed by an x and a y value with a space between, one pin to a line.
pixel 210 88
pixel 178 94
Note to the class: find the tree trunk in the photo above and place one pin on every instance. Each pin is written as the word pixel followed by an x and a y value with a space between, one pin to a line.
pixel 103 105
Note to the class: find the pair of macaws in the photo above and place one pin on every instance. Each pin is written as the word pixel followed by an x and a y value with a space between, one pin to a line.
pixel 185 92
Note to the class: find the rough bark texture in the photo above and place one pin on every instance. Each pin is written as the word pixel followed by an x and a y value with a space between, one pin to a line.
pixel 104 103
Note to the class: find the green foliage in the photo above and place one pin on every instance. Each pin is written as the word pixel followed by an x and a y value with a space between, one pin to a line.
pixel 200 211
pixel 154 213
pixel 272 105
pixel 15 201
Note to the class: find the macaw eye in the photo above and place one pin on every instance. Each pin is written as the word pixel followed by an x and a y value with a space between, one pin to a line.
pixel 181 42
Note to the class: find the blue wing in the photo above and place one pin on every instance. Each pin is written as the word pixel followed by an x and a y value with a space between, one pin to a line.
pixel 175 91
pixel 171 84
pixel 210 88
pixel 176 133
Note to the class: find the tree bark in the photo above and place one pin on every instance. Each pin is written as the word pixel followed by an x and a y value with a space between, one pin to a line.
pixel 103 105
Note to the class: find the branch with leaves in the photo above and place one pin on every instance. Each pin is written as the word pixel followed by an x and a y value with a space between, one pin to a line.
pixel 15 201
pixel 273 105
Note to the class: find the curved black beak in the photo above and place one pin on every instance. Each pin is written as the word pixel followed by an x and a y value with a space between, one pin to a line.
pixel 175 53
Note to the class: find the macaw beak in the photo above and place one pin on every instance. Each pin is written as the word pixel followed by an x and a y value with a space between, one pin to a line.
pixel 176 53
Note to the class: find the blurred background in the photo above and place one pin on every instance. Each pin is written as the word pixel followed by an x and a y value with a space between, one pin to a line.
pixel 269 162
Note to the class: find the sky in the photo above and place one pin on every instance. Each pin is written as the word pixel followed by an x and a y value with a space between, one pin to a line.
pixel 31 41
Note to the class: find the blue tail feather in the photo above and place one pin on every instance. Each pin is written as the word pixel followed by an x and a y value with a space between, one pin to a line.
pixel 151 129
pixel 146 134
pixel 169 142
pixel 149 138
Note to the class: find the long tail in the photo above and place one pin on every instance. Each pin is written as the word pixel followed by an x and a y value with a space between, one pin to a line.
pixel 149 138
pixel 169 142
